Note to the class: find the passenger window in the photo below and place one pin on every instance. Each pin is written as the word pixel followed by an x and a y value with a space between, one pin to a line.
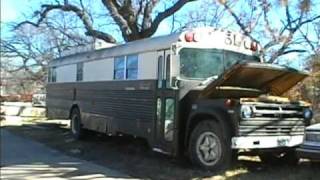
pixel 49 75
pixel 119 67
pixel 132 67
pixel 80 71
pixel 169 119
pixel 54 74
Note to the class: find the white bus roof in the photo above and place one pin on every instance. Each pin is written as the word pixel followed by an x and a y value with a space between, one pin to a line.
pixel 144 45
pixel 201 37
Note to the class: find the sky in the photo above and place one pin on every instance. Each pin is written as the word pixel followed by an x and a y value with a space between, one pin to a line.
pixel 11 10
pixel 14 10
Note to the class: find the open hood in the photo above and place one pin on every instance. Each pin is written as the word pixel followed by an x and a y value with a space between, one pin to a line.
pixel 267 78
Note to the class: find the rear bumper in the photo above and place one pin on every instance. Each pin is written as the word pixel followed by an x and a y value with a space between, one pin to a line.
pixel 264 142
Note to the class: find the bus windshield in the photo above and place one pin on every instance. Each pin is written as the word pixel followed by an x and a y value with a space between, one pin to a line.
pixel 205 63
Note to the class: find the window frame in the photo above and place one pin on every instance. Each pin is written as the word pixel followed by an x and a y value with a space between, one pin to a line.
pixel 126 70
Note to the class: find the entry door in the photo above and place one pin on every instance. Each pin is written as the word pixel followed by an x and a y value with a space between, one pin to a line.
pixel 166 105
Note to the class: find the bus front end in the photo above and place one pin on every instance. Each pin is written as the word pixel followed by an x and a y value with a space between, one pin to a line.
pixel 231 100
pixel 268 125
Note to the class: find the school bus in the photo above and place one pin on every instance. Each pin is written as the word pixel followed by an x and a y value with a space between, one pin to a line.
pixel 204 93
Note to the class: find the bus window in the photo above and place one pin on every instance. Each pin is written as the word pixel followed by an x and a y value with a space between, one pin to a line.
pixel 132 67
pixel 54 74
pixel 119 66
pixel 79 75
pixel 231 58
pixel 201 63
pixel 160 71
pixel 159 109
pixel 169 119
pixel 168 65
pixel 49 75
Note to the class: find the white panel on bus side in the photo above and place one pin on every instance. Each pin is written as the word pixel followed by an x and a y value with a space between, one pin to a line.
pixel 66 73
pixel 147 65
pixel 100 70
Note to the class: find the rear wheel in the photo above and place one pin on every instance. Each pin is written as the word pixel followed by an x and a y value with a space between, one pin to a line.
pixel 75 125
pixel 208 147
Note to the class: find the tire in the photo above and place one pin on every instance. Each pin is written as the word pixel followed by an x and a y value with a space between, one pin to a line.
pixel 209 148
pixel 287 157
pixel 75 125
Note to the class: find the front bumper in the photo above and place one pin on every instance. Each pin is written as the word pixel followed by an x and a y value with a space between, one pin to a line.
pixel 263 142
pixel 309 152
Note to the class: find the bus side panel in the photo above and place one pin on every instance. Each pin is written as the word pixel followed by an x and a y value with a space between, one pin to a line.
pixel 59 99
pixel 114 106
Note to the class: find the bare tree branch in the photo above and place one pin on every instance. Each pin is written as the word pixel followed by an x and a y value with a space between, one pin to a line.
pixel 134 18
pixel 238 21
pixel 281 40
pixel 161 16
pixel 46 8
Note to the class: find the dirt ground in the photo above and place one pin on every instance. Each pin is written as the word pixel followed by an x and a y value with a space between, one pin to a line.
pixel 134 157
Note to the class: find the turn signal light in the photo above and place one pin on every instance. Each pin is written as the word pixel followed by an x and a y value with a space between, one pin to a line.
pixel 254 46
pixel 189 37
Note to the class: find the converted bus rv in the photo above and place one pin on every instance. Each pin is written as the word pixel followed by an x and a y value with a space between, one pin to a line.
pixel 204 92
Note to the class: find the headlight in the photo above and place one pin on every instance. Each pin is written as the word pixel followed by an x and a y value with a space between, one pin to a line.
pixel 307 114
pixel 246 111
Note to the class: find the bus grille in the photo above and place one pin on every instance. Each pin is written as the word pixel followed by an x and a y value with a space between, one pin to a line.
pixel 273 120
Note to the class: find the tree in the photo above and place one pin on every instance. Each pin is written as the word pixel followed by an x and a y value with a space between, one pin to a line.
pixel 58 25
pixel 133 17
pixel 27 50
pixel 286 36
pixel 204 13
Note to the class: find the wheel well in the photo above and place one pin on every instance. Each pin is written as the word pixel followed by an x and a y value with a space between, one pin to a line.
pixel 221 118
pixel 75 106
pixel 194 121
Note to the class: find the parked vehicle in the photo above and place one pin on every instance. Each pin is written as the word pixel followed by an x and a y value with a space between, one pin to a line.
pixel 39 98
pixel 204 92
pixel 310 149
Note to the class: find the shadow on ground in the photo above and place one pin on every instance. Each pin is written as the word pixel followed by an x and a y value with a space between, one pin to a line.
pixel 134 157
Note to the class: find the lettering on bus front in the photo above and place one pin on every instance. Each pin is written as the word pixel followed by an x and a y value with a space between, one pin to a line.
pixel 233 40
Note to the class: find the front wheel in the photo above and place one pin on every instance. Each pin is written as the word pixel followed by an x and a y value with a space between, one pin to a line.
pixel 208 147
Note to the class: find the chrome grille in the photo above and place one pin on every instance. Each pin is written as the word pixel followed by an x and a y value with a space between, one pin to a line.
pixel 273 120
